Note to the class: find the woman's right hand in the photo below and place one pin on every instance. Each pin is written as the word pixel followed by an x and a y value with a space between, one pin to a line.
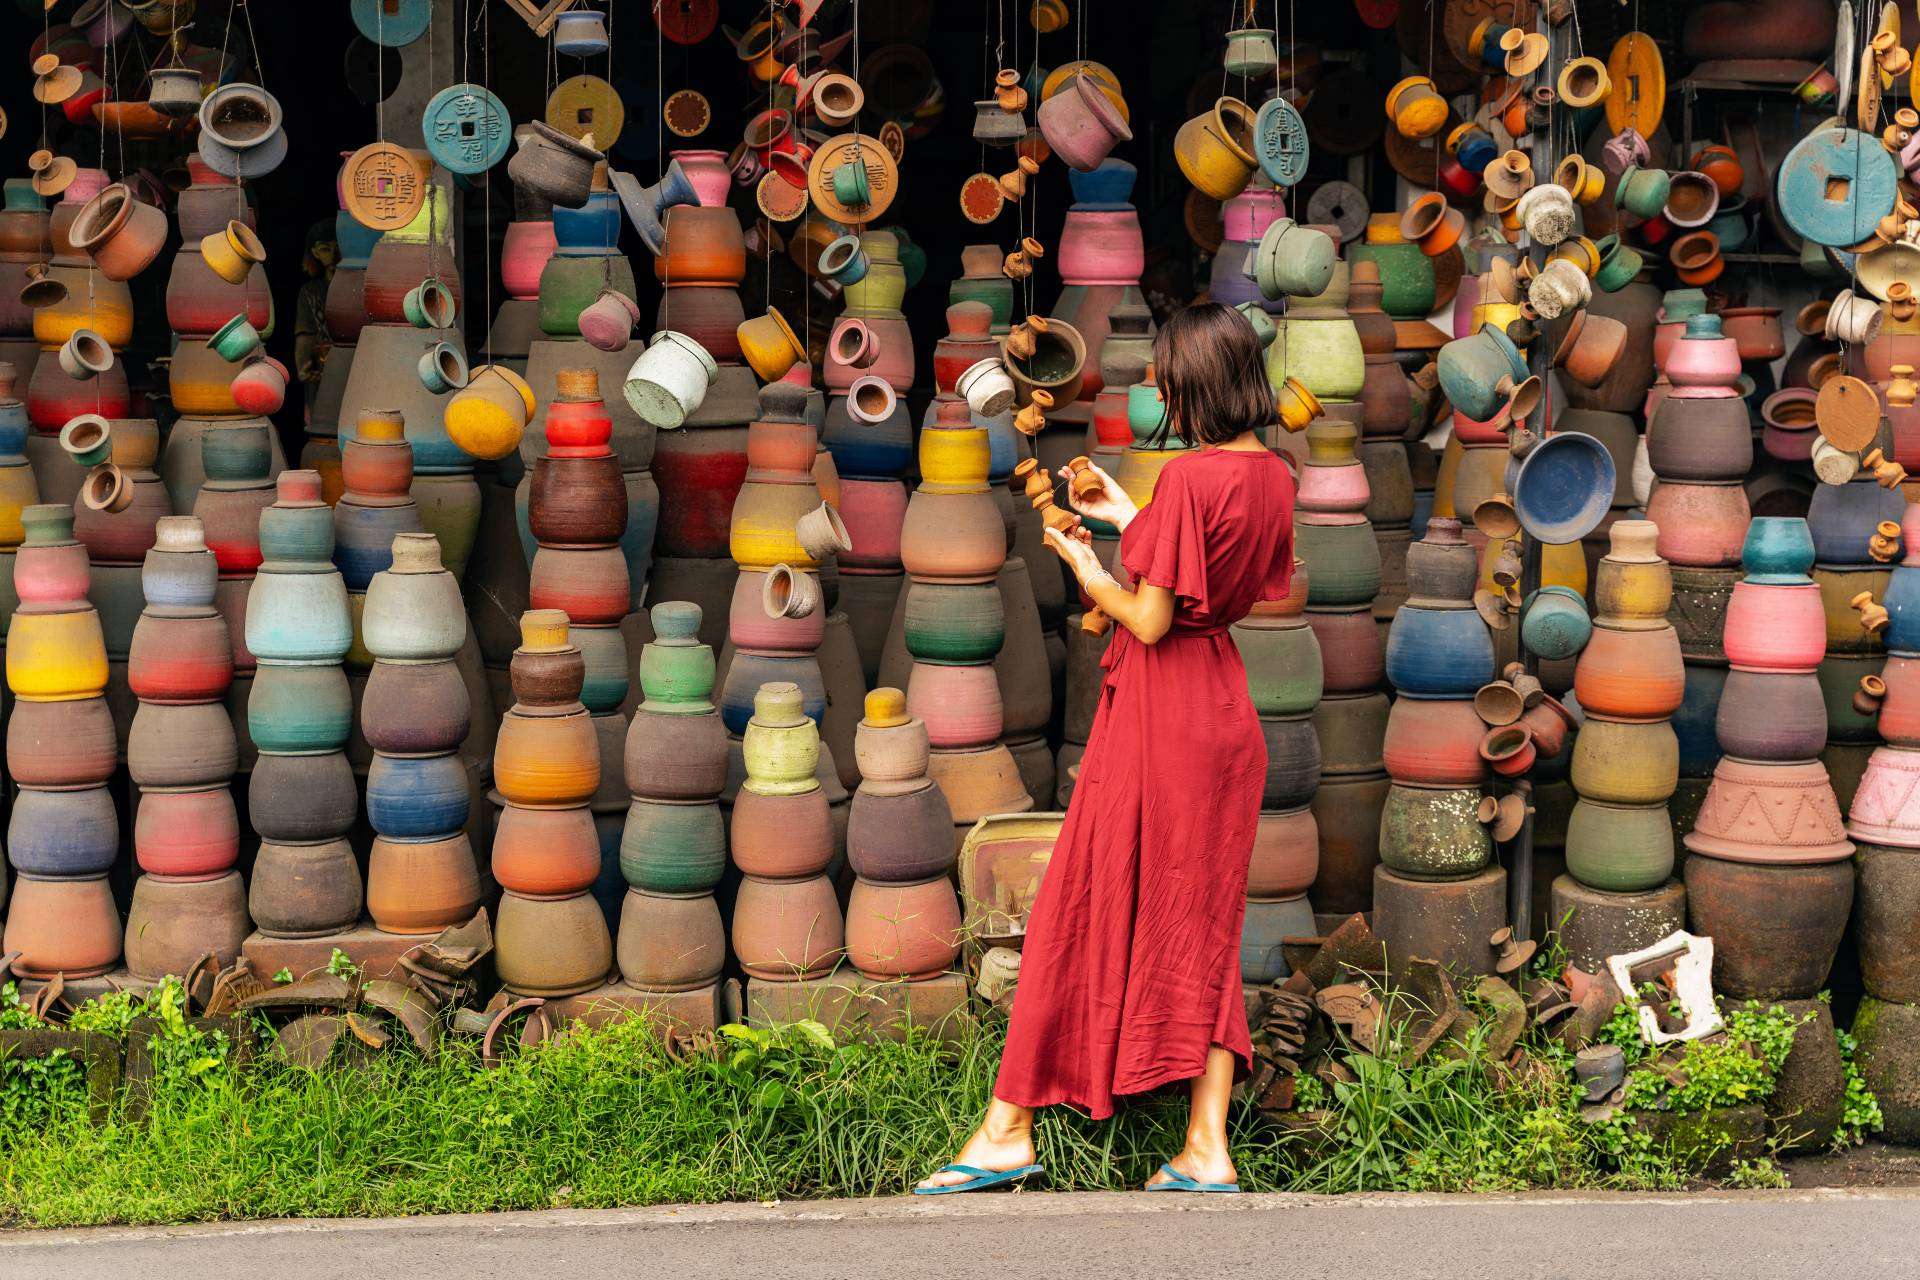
pixel 1109 503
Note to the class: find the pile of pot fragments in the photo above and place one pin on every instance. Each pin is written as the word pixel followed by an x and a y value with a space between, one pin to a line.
pixel 675 652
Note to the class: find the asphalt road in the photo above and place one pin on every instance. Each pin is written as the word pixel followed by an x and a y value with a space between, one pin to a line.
pixel 1752 1236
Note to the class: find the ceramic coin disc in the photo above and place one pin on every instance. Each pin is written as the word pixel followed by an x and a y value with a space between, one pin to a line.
pixel 1339 205
pixel 778 198
pixel 1835 184
pixel 686 21
pixel 1280 140
pixel 383 185
pixel 587 105
pixel 467 128
pixel 894 139
pixel 1639 75
pixel 1848 413
pixel 392 23
pixel 688 113
pixel 981 199
pixel 883 177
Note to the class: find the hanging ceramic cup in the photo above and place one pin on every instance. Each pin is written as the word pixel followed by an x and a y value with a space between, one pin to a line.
pixel 769 345
pixel 487 417
pixel 607 323
pixel 987 387
pixel 1293 260
pixel 235 340
pixel 233 251
pixel 121 233
pixel 1081 123
pixel 261 387
pixel 669 380
pixel 871 400
pixel 87 439
pixel 1641 192
pixel 85 354
pixel 844 260
pixel 854 345
pixel 429 305
pixel 822 533
pixel 442 368
pixel 789 593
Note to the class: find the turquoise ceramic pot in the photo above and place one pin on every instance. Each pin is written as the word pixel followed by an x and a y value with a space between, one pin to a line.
pixel 1554 624
pixel 1778 550
pixel 299 710
pixel 1471 369
pixel 298 617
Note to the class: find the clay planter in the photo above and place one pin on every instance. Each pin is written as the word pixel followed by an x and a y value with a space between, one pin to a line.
pixel 58 745
pixel 1293 762
pixel 412 797
pixel 1701 525
pixel 676 757
pixel 1286 854
pixel 1625 763
pixel 787 930
pixel 1775 628
pixel 1775 928
pixel 63 833
pixel 1434 743
pixel 961 705
pixel 1619 848
pixel 1770 813
pixel 551 946
pixel 1448 922
pixel 1433 834
pixel 304 890
pixel 62 926
pixel 1628 675
pixel 422 887
pixel 296 799
pixel 900 838
pixel 782 837
pixel 172 923
pixel 1699 610
pixel 411 708
pixel 1887 1033
pixel 299 709
pixel 1700 439
pixel 673 847
pixel 1215 150
pixel 1771 717
pixel 903 931
pixel 546 761
pixel 186 834
pixel 183 746
pixel 1444 653
pixel 1266 926
pixel 545 852
pixel 1081 124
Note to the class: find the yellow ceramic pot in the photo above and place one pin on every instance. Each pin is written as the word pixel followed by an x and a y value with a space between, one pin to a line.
pixel 885 284
pixel 1140 470
pixel 762 533
pixel 109 311
pixel 1416 107
pixel 1215 150
pixel 232 251
pixel 488 416
pixel 769 345
pixel 781 745
pixel 56 657
pixel 1620 763
pixel 547 762
pixel 1498 314
pixel 200 381
pixel 1298 405
pixel 954 459
pixel 1633 596
pixel 17 491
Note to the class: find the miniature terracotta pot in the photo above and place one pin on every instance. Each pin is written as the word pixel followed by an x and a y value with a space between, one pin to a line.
pixel 119 232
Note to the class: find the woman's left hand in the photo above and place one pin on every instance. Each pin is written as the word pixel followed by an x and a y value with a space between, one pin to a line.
pixel 1079 555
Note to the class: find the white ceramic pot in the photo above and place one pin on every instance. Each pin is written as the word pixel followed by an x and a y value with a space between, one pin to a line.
pixel 987 387
pixel 669 380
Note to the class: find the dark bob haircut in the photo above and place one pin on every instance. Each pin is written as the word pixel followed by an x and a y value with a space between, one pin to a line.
pixel 1212 373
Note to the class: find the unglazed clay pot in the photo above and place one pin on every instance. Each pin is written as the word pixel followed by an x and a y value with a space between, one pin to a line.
pixel 1770 813
pixel 1286 854
pixel 551 946
pixel 1629 675
pixel 1772 717
pixel 422 887
pixel 1776 929
pixel 545 852
pixel 670 942
pixel 1443 653
pixel 1701 525
pixel 304 890
pixel 1625 763
pixel 787 930
pixel 1780 628
pixel 57 745
pixel 1433 834
pixel 1293 762
pixel 1619 848
pixel 1283 665
pixel 673 848
pixel 909 931
pixel 62 926
pixel 191 835
pixel 172 923
pixel 782 837
pixel 900 838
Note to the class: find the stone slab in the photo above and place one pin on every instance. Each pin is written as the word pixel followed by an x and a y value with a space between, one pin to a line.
pixel 377 953
pixel 704 1009
pixel 853 1006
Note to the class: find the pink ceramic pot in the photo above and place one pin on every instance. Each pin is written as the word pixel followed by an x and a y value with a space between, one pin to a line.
pixel 523 256
pixel 961 705
pixel 1776 627
pixel 1701 525
pixel 1248 215
pixel 708 172
pixel 1102 246
pixel 1702 362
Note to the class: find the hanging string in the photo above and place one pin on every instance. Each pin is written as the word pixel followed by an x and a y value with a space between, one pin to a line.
pixel 486 178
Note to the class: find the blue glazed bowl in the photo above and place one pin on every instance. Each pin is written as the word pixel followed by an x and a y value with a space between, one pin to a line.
pixel 1778 549
pixel 1564 487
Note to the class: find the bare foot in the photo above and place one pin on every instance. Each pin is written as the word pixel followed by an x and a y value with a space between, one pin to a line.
pixel 1201 1166
pixel 998 1153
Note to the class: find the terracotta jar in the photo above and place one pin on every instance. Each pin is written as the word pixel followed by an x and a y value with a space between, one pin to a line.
pixel 1779 628
pixel 421 887
pixel 1772 717
pixel 172 923
pixel 1286 854
pixel 1283 665
pixel 1624 763
pixel 304 890
pixel 1776 929
pixel 960 704
pixel 903 931
pixel 62 926
pixel 303 798
pixel 781 836
pixel 1701 525
pixel 670 942
pixel 1770 813
pixel 902 837
pixel 1447 653
pixel 70 833
pixel 703 246
pixel 1629 675
pixel 56 745
pixel 1441 567
pixel 551 946
pixel 187 834
pixel 787 930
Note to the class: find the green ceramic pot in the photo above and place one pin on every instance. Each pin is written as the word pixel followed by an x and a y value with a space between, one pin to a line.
pixel 1619 848
pixel 1406 278
pixel 1434 835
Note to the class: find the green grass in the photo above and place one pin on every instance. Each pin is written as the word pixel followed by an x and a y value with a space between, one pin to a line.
pixel 606 1118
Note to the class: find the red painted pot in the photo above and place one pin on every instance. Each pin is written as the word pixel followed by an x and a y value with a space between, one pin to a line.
pixel 1701 525
pixel 189 835
pixel 700 474
pixel 1351 657
pixel 1776 627
pixel 903 931
pixel 545 852
pixel 588 584
pixel 180 660
pixel 874 512
pixel 68 927
pixel 1434 743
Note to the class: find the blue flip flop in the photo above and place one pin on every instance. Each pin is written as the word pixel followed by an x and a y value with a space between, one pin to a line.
pixel 1178 1181
pixel 978 1179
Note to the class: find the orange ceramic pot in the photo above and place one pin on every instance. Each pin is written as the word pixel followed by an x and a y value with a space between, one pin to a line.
pixel 1286 854
pixel 1631 675
pixel 546 762
pixel 422 886
pixel 62 926
pixel 1433 743
pixel 551 946
pixel 903 931
pixel 787 930
pixel 545 853
pixel 703 246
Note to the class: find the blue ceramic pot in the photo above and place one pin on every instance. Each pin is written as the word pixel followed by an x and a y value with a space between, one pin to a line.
pixel 292 536
pixel 363 539
pixel 63 833
pixel 1438 653
pixel 1693 723
pixel 1778 550
pixel 1110 184
pixel 1843 518
pixel 13 432
pixel 869 450
pixel 356 240
pixel 1554 624
pixel 749 671
pixel 1902 602
pixel 592 230
pixel 412 797
pixel 1261 932
pixel 237 451
pixel 1564 487
pixel 1471 369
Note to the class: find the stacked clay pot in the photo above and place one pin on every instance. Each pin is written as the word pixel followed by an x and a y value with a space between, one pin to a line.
pixel 1283 661
pixel 346 314
pixel 24 243
pixel 1844 519
pixel 238 455
pixel 673 850
pixel 586 263
pixel 199 303
pixel 1884 820
pixel 787 924
pixel 376 506
pixel 1701 449
pixel 386 373
pixel 903 918
pixel 1101 255
pixel 1336 542
pixel 700 468
pixel 302 800
pixel 1437 891
pixel 18 489
pixel 1025 665
pixel 874 301
pixel 1318 344
pixel 1619 893
pixel 550 935
pixel 1772 876
pixel 529 243
pixel 1386 418
pixel 578 511
pixel 117 542
pixel 189 898
pixel 982 280
pixel 63 835
pixel 421 874
pixel 55 397
pixel 953 543
pixel 1244 219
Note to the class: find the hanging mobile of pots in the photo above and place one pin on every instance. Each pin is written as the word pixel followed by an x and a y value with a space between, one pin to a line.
pixel 466 128
pixel 383 186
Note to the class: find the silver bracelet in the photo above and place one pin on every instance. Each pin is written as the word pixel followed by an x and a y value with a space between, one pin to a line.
pixel 1099 574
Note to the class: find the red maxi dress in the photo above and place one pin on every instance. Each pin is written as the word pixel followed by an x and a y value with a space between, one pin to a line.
pixel 1130 971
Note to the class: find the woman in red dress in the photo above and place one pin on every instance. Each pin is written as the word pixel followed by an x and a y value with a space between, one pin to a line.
pixel 1130 973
